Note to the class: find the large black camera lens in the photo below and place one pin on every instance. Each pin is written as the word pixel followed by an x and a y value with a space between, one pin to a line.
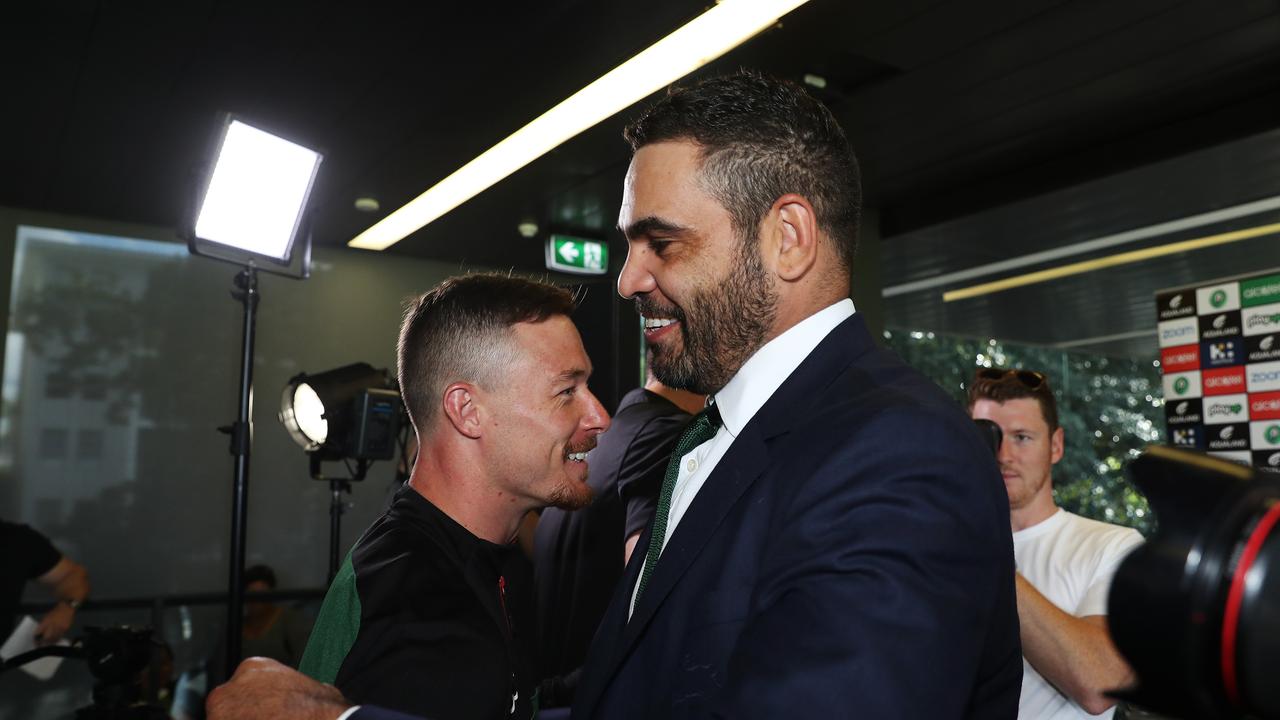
pixel 1196 610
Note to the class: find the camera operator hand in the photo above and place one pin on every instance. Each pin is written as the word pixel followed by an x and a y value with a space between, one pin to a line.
pixel 266 689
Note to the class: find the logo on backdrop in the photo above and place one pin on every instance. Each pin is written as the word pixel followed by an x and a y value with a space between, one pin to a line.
pixel 1229 437
pixel 1186 436
pixel 1264 377
pixel 1184 412
pixel 1218 297
pixel 1226 409
pixel 1174 305
pixel 1218 353
pixel 1261 348
pixel 1222 325
pixel 1223 381
pixel 1261 320
pixel 1179 359
pixel 1181 385
pixel 1259 291
pixel 1265 435
pixel 1264 406
pixel 1182 331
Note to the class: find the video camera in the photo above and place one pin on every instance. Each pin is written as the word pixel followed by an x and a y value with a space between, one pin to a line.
pixel 1196 610
pixel 116 657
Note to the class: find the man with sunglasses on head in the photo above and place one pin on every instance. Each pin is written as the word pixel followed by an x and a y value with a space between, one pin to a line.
pixel 1065 562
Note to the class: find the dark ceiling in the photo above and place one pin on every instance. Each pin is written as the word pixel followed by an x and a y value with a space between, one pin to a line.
pixel 954 108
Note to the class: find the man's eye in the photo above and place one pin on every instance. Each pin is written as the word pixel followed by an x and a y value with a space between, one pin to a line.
pixel 659 247
pixel 569 390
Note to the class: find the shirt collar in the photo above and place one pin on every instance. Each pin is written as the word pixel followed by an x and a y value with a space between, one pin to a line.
pixel 766 370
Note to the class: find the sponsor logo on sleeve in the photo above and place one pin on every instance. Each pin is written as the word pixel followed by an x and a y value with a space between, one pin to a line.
pixel 1244 457
pixel 1188 437
pixel 1174 305
pixel 1265 435
pixel 1261 320
pixel 1222 409
pixel 1223 381
pixel 1228 437
pixel 1221 325
pixel 1179 386
pixel 1262 348
pixel 1219 297
pixel 1220 353
pixel 1260 291
pixel 1179 359
pixel 1263 377
pixel 1182 331
pixel 1264 406
pixel 1184 412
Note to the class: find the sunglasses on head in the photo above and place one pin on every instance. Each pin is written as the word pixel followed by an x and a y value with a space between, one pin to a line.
pixel 1030 379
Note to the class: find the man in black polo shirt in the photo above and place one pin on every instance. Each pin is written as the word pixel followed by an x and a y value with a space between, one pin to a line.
pixel 27 555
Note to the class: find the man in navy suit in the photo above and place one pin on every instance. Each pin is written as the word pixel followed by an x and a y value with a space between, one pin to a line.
pixel 838 547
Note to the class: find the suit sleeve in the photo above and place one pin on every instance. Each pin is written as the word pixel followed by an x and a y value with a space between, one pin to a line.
pixel 643 467
pixel 887 568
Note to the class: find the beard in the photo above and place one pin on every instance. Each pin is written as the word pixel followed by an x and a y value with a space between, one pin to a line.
pixel 721 326
pixel 571 497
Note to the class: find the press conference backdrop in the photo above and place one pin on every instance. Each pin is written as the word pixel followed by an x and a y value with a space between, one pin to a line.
pixel 1220 358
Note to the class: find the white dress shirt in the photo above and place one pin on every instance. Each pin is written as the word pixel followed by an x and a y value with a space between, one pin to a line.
pixel 739 400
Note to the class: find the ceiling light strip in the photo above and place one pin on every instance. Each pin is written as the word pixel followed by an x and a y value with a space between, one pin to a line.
pixel 705 38
pixel 1104 339
pixel 1165 228
pixel 1109 261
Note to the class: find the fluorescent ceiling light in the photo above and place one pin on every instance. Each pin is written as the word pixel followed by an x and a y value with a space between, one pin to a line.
pixel 257 192
pixel 707 37
pixel 1109 261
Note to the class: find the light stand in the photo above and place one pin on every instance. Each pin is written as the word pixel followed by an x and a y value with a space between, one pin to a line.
pixel 349 413
pixel 251 211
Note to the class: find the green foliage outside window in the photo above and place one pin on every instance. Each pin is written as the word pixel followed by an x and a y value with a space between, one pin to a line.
pixel 1109 409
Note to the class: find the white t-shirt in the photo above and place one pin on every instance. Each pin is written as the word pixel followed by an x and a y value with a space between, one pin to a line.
pixel 1070 560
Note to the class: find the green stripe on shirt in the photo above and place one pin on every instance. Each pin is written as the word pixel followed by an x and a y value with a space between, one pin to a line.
pixel 336 627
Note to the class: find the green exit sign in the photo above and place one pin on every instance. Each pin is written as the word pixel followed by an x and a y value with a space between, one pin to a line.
pixel 577 255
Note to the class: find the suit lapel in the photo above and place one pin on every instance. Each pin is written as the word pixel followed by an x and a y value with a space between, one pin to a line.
pixel 745 461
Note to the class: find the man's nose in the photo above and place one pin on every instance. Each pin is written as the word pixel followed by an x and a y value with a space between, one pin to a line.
pixel 635 279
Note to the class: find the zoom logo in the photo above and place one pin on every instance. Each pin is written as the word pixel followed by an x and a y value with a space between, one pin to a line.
pixel 1264 377
pixel 1178 332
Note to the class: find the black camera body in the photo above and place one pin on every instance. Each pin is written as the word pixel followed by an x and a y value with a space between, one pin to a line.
pixel 1196 610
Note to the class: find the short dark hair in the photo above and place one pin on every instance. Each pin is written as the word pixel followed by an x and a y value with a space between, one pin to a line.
pixel 458 330
pixel 762 138
pixel 260 573
pixel 1000 385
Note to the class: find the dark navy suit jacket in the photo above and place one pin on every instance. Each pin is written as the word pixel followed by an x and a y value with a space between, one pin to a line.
pixel 849 556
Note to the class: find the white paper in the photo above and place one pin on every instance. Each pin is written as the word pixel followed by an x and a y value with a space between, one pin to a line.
pixel 22 639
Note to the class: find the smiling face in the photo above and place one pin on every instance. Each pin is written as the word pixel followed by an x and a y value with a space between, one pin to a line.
pixel 1028 452
pixel 542 419
pixel 707 301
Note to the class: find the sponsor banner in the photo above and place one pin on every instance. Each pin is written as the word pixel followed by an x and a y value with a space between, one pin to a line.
pixel 1263 377
pixel 1223 381
pixel 1227 437
pixel 1262 348
pixel 1268 460
pixel 1182 331
pixel 1221 353
pixel 1184 412
pixel 1264 406
pixel 1189 436
pixel 1260 320
pixel 1178 386
pixel 1220 325
pixel 1226 409
pixel 1217 298
pixel 1258 291
pixel 1179 359
pixel 1265 435
pixel 1244 457
pixel 1174 305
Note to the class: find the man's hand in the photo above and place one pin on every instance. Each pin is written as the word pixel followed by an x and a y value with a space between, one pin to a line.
pixel 265 689
pixel 55 624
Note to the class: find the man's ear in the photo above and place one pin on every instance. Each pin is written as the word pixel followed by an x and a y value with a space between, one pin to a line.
pixel 1057 445
pixel 793 226
pixel 462 408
